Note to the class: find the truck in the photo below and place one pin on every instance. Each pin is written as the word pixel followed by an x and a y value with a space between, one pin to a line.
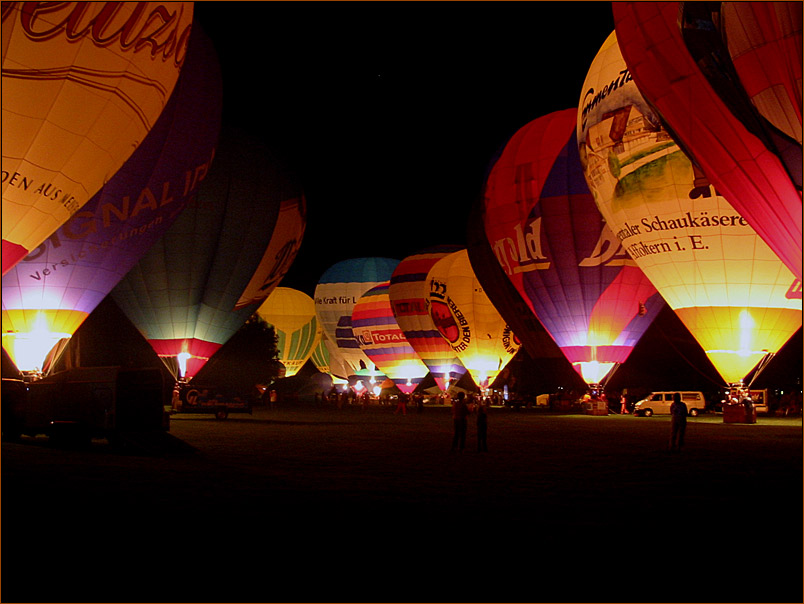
pixel 83 403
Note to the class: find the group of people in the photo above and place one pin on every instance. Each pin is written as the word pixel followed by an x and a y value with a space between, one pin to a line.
pixel 339 398
pixel 461 410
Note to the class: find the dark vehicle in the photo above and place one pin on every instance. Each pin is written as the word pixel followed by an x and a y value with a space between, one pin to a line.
pixel 199 398
pixel 84 403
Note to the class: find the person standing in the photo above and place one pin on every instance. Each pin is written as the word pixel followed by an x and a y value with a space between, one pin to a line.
pixel 678 422
pixel 482 425
pixel 402 404
pixel 460 411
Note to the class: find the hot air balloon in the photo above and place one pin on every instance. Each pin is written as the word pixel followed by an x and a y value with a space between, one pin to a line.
pixel 83 84
pixel 467 320
pixel 764 40
pixel 327 360
pixel 292 315
pixel 182 294
pixel 722 280
pixel 409 296
pixel 501 291
pixel 49 294
pixel 336 294
pixel 681 65
pixel 383 342
pixel 281 252
pixel 552 242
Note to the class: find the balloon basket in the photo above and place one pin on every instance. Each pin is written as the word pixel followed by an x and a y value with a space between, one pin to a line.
pixel 738 414
pixel 596 408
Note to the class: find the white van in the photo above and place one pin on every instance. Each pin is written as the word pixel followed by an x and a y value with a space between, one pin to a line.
pixel 659 402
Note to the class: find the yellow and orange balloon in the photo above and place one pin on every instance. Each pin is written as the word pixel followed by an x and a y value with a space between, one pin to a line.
pixel 467 319
pixel 83 83
pixel 727 286
pixel 292 314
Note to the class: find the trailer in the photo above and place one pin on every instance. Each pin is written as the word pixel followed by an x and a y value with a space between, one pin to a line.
pixel 203 398
pixel 84 403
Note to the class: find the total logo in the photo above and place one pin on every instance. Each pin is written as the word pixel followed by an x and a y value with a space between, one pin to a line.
pixel 369 337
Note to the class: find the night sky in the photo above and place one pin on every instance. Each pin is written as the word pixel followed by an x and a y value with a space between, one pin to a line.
pixel 392 113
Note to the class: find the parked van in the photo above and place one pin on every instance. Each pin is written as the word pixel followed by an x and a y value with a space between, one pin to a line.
pixel 659 402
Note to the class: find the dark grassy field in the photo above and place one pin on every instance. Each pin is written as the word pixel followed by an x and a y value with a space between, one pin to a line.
pixel 332 506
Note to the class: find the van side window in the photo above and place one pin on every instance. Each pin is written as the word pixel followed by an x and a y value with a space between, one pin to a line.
pixel 668 397
pixel 656 397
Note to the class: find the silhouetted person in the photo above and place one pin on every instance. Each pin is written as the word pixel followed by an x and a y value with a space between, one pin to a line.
pixel 678 422
pixel 460 411
pixel 482 426
pixel 402 404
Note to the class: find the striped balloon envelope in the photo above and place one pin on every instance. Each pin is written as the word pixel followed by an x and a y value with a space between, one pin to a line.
pixel 292 315
pixel 336 294
pixel 381 338
pixel 408 294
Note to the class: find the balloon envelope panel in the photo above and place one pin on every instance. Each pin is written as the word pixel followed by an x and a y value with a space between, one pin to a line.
pixel 408 294
pixel 281 252
pixel 727 286
pixel 327 359
pixel 382 340
pixel 182 294
pixel 79 96
pixel 764 40
pixel 336 294
pixel 467 320
pixel 555 247
pixel 58 284
pixel 292 315
pixel 754 165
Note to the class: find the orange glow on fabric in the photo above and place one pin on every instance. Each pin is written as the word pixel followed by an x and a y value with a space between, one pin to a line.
pixel 554 246
pixel 670 50
pixel 724 282
pixel 382 340
pixel 285 243
pixel 467 320
pixel 80 93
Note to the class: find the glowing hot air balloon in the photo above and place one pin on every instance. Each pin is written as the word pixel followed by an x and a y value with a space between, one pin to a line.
pixel 327 360
pixel 467 320
pixel 409 296
pixel 281 252
pixel 83 83
pixel 717 110
pixel 336 294
pixel 292 315
pixel 49 294
pixel 182 294
pixel 553 244
pixel 380 337
pixel 723 281
pixel 764 40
